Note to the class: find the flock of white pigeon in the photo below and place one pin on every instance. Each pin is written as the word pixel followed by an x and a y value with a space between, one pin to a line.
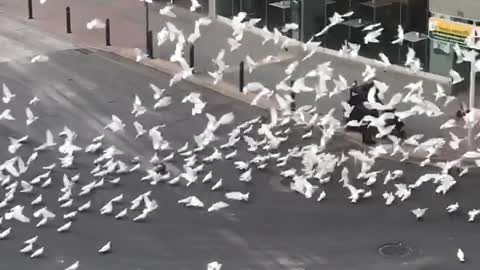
pixel 317 163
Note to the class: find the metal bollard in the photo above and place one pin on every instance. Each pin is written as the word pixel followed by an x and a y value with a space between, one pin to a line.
pixel 69 22
pixel 192 56
pixel 150 44
pixel 107 32
pixel 293 105
pixel 242 76
pixel 30 9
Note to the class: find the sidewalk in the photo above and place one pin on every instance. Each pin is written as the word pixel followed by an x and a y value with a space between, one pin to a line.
pixel 128 31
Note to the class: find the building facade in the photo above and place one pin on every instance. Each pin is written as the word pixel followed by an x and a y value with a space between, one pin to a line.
pixel 455 19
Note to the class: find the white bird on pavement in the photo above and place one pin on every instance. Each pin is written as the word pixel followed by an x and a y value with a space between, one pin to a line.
pixel 96 24
pixel 7 94
pixel 460 255
pixel 217 185
pixel 105 248
pixel 419 212
pixel 31 241
pixel 74 266
pixel 37 253
pixel 4 234
pixel 384 60
pixel 472 214
pixel 452 207
pixel 167 11
pixel 389 198
pixel 65 227
pixel 238 196
pixel 192 201
pixel 321 196
pixel 214 265
pixel 121 214
pixel 28 248
pixel 217 206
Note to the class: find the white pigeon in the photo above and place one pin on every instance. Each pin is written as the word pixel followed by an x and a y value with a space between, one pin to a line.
pixel 217 206
pixel 251 64
pixel 400 35
pixel 105 248
pixel 39 58
pixel 238 196
pixel 158 92
pixel 34 100
pixel 31 241
pixel 217 185
pixel 116 124
pixel 167 11
pixel 369 73
pixel 452 207
pixel 4 234
pixel 234 44
pixel 95 24
pixel 30 116
pixel 37 253
pixel 15 144
pixel 139 128
pixel 460 255
pixel 195 5
pixel 65 227
pixel 6 114
pixel 419 212
pixel 472 214
pixel 121 214
pixel 371 37
pixel 289 26
pixel 28 248
pixel 7 94
pixel 192 201
pixel 321 196
pixel 214 265
pixel 74 266
pixel 456 78
pixel 138 108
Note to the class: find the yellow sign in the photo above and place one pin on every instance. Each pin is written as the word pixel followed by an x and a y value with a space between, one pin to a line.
pixel 449 27
pixel 454 32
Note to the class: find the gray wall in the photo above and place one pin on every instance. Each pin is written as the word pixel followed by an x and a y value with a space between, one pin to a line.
pixel 469 9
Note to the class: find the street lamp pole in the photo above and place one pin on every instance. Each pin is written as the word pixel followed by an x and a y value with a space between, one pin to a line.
pixel 471 104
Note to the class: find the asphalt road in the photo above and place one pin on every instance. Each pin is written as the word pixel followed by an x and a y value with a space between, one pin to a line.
pixel 277 229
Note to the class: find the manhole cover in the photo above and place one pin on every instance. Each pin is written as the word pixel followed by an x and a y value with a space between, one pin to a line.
pixel 395 250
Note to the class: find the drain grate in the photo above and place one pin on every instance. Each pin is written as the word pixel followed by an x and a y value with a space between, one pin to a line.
pixel 395 250
pixel 84 51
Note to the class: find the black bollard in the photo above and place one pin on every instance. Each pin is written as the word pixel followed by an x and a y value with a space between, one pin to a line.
pixel 293 105
pixel 30 10
pixel 69 22
pixel 107 32
pixel 147 24
pixel 242 76
pixel 150 44
pixel 192 56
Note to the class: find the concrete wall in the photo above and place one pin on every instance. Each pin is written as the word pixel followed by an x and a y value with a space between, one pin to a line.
pixel 469 9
